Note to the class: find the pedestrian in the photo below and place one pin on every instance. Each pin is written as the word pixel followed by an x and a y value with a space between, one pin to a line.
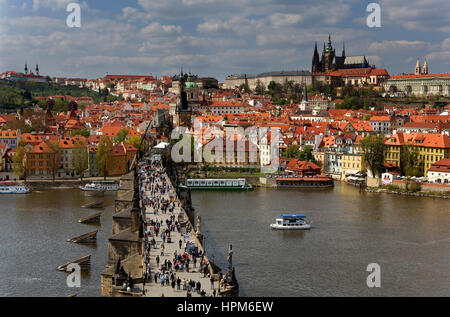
pixel 212 282
pixel 180 243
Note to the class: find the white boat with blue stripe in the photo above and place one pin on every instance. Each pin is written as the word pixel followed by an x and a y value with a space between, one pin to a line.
pixel 291 222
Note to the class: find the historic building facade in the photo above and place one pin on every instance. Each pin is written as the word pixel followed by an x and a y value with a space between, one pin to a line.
pixel 421 83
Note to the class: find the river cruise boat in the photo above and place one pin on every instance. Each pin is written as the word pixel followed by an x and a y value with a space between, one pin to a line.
pixel 12 188
pixel 99 186
pixel 291 222
pixel 319 181
pixel 217 184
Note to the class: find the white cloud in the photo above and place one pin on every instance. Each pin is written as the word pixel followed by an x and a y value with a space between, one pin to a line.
pixel 420 15
pixel 156 28
pixel 388 46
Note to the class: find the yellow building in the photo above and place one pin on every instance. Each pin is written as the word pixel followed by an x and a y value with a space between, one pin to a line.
pixel 352 164
pixel 432 147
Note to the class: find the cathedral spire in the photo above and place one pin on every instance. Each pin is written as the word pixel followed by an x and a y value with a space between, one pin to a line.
pixel 418 70
pixel 343 49
pixel 425 68
pixel 316 60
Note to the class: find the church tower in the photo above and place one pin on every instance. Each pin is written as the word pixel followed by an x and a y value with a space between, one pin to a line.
pixel 305 106
pixel 328 56
pixel 37 70
pixel 316 67
pixel 26 69
pixel 418 70
pixel 183 112
pixel 343 50
pixel 425 68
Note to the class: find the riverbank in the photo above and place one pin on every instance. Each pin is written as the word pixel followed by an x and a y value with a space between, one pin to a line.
pixel 399 191
pixel 63 183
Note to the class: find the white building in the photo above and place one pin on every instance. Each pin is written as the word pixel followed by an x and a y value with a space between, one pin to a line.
pixel 439 172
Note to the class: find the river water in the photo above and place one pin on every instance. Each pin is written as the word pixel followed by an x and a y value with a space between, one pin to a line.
pixel 409 237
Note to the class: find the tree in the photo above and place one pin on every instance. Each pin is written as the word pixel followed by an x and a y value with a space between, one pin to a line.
pixel 410 164
pixel 306 154
pixel 54 145
pixel 260 89
pixel 19 168
pixel 374 150
pixel 82 132
pixel 80 157
pixel 292 151
pixel 103 155
pixel 135 141
pixel 121 135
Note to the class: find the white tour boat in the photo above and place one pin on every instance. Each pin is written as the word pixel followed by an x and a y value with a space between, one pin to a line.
pixel 11 188
pixel 101 186
pixel 291 222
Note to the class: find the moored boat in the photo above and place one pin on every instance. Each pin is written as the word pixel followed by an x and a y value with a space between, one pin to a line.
pixel 99 186
pixel 217 184
pixel 12 188
pixel 291 222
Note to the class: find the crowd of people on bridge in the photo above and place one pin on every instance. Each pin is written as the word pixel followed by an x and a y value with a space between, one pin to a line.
pixel 155 187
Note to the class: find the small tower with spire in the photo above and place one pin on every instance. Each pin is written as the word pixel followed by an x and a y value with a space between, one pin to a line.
pixel 37 70
pixel 26 69
pixel 425 68
pixel 418 70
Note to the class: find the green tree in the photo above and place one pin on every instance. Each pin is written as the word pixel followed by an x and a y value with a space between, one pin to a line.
pixel 121 135
pixel 292 151
pixel 18 166
pixel 410 164
pixel 80 157
pixel 260 89
pixel 135 141
pixel 374 150
pixel 306 154
pixel 82 132
pixel 103 155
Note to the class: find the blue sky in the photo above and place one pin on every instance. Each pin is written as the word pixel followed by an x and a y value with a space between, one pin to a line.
pixel 217 37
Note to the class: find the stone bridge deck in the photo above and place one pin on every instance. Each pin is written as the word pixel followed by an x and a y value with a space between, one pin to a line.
pixel 155 289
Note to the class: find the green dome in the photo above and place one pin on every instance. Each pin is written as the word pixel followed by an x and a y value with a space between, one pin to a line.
pixel 191 84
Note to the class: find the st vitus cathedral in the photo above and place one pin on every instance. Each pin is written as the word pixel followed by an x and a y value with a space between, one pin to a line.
pixel 330 62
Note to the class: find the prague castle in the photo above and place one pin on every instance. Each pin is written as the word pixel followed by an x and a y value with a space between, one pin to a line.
pixel 328 68
pixel 421 83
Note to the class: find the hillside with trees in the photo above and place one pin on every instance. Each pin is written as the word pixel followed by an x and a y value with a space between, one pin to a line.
pixel 17 94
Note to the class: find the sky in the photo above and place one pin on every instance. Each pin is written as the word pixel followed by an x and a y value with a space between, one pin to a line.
pixel 217 37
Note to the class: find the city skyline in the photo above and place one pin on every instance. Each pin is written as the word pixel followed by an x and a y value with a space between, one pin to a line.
pixel 217 39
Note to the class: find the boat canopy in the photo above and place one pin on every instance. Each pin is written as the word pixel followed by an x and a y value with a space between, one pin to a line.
pixel 293 216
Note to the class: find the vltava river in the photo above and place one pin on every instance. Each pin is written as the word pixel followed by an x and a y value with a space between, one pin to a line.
pixel 408 237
